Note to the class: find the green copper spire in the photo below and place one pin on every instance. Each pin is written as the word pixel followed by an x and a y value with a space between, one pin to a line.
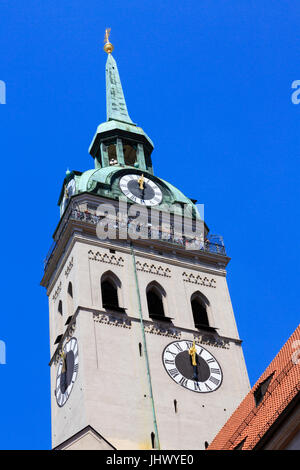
pixel 116 108
pixel 118 141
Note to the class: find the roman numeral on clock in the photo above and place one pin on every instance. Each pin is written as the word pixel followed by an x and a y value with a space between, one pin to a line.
pixel 173 372
pixel 168 351
pixel 177 345
pixel 183 381
pixel 214 380
pixel 196 386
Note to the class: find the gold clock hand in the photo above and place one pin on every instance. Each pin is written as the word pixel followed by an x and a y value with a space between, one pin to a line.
pixel 64 366
pixel 141 182
pixel 192 353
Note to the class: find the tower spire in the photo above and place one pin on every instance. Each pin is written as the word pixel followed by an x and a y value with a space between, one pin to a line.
pixel 116 108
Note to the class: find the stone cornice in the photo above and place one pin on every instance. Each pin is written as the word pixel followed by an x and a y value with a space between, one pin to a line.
pixel 152 327
pixel 124 247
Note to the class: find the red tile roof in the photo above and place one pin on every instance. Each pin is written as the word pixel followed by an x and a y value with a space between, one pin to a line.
pixel 250 422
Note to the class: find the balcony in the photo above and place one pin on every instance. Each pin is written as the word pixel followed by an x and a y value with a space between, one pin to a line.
pixel 210 244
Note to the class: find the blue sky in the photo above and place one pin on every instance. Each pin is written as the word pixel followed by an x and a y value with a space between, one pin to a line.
pixel 210 83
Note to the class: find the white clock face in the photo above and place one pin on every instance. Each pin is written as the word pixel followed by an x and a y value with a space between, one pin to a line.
pixel 71 188
pixel 203 377
pixel 140 189
pixel 69 191
pixel 66 372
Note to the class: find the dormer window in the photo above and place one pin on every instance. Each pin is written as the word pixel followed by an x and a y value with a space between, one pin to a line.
pixel 240 444
pixel 261 390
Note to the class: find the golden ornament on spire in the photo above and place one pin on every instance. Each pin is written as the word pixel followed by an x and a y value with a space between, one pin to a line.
pixel 108 47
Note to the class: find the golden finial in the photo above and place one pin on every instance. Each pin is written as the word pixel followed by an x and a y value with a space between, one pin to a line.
pixel 108 47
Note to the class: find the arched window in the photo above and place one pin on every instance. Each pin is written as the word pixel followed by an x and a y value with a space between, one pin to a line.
pixel 60 308
pixel 109 294
pixel 155 295
pixel 70 290
pixel 112 154
pixel 199 307
pixel 129 154
pixel 109 290
pixel 70 299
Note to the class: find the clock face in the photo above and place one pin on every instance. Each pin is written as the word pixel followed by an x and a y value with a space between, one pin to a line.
pixel 71 188
pixel 141 190
pixel 66 372
pixel 69 191
pixel 202 377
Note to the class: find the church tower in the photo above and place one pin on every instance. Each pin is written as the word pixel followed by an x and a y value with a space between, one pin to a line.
pixel 144 347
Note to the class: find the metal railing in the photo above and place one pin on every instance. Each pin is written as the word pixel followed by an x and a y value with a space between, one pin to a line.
pixel 211 244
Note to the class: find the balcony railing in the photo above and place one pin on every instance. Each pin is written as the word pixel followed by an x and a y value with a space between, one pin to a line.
pixel 211 244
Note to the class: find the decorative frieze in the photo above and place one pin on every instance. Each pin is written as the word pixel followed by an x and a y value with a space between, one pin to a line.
pixel 158 329
pixel 197 279
pixel 57 292
pixel 112 320
pixel 211 340
pixel 152 269
pixel 106 258
pixel 69 267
